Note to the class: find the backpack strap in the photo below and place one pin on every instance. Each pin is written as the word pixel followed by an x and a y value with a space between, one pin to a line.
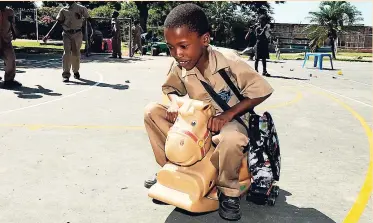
pixel 223 105
pixel 233 87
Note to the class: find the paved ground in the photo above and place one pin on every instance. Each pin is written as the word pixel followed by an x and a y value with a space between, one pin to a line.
pixel 78 152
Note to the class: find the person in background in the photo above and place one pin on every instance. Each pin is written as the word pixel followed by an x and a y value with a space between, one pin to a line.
pixel 251 39
pixel 116 39
pixel 262 32
pixel 7 34
pixel 71 19
pixel 136 32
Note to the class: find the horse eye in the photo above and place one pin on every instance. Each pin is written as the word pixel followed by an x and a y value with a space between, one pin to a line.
pixel 193 123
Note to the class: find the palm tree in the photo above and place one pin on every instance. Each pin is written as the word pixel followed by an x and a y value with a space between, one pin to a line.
pixel 332 19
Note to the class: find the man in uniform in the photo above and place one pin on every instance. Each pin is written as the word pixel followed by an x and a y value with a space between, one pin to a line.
pixel 71 18
pixel 136 32
pixel 7 34
pixel 116 39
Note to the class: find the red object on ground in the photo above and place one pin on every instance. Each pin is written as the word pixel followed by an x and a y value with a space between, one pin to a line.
pixel 109 45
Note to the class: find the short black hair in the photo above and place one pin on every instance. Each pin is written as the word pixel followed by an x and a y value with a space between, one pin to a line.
pixel 189 15
pixel 136 22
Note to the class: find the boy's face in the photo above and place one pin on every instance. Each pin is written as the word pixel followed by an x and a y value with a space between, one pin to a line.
pixel 185 46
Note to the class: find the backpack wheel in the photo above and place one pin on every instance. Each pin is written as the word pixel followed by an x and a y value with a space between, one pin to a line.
pixel 276 190
pixel 271 200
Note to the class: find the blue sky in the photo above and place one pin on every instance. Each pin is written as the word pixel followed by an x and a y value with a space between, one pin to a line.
pixel 296 11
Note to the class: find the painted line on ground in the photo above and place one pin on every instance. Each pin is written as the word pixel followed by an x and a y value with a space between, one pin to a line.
pixel 366 190
pixel 57 99
pixel 361 202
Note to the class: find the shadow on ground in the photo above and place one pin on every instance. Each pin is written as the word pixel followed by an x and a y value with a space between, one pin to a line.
pixel 33 93
pixel 83 81
pixel 27 61
pixel 289 78
pixel 280 213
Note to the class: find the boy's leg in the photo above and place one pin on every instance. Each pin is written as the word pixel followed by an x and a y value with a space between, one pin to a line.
pixel 119 46
pixel 75 54
pixel 227 158
pixel 66 58
pixel 256 64
pixel 9 61
pixel 228 155
pixel 157 127
pixel 114 46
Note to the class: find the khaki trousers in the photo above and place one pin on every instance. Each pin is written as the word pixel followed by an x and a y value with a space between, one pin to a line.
pixel 117 45
pixel 227 157
pixel 9 57
pixel 71 54
pixel 137 45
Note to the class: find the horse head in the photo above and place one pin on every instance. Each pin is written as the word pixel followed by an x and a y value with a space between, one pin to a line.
pixel 189 140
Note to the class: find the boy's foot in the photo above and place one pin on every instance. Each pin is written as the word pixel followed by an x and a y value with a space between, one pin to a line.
pixel 151 181
pixel 11 84
pixel 77 75
pixel 266 74
pixel 65 79
pixel 229 207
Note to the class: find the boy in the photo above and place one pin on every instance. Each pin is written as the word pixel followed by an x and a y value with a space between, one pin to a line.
pixel 186 32
pixel 116 39
pixel 71 19
pixel 7 34
pixel 136 32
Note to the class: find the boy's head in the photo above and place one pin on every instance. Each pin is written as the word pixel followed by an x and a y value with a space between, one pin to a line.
pixel 136 22
pixel 262 20
pixel 186 31
pixel 115 14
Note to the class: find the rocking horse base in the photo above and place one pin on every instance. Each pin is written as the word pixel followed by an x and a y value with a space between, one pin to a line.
pixel 182 200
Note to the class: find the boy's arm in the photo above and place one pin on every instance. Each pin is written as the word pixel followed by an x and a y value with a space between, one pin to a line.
pixel 251 85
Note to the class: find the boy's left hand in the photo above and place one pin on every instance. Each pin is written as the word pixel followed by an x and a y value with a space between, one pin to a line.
pixel 217 122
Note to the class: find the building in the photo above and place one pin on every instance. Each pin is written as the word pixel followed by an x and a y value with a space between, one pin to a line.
pixel 359 39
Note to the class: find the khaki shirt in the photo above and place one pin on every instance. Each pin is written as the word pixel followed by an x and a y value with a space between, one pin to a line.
pixel 5 25
pixel 137 31
pixel 72 17
pixel 249 82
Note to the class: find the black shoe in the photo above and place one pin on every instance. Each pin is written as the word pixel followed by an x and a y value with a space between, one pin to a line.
pixel 229 207
pixel 11 84
pixel 266 74
pixel 77 75
pixel 151 181
pixel 113 57
pixel 65 79
pixel 120 57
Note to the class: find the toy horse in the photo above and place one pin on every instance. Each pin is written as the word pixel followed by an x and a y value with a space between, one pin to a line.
pixel 187 180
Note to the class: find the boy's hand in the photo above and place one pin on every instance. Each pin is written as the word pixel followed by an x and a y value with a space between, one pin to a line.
pixel 172 112
pixel 217 122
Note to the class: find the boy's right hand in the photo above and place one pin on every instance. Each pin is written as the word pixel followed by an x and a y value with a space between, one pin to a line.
pixel 172 112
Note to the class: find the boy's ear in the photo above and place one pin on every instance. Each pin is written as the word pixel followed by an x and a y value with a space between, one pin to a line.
pixel 206 39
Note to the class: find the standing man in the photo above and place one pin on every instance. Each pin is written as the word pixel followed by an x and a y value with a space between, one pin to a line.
pixel 251 39
pixel 137 31
pixel 262 44
pixel 116 39
pixel 71 19
pixel 7 34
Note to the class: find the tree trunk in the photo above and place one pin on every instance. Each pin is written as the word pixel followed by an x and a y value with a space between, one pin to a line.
pixel 143 9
